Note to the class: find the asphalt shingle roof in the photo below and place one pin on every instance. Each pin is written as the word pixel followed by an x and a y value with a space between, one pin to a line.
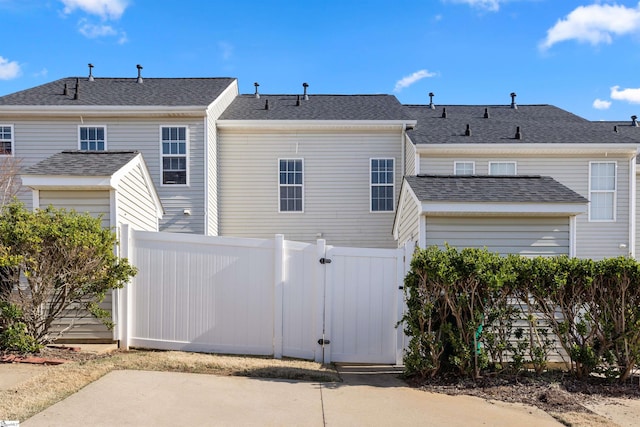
pixel 491 189
pixel 82 163
pixel 538 124
pixel 123 92
pixel 318 107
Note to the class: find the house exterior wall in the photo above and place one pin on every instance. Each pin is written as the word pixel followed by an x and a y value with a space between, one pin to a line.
pixel 336 185
pixel 36 140
pixel 211 147
pixel 526 236
pixel 135 206
pixel 409 221
pixel 409 157
pixel 593 239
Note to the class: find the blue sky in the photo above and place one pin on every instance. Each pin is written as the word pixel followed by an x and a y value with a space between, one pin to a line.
pixel 583 56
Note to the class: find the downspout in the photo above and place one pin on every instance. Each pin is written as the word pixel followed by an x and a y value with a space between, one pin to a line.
pixel 206 176
pixel 632 206
pixel 403 141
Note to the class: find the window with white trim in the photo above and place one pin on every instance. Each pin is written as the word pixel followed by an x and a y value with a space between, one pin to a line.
pixel 464 168
pixel 6 140
pixel 602 191
pixel 174 155
pixel 502 168
pixel 382 185
pixel 92 138
pixel 290 185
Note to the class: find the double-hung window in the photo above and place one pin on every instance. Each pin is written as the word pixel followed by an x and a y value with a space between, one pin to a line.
pixel 502 168
pixel 290 185
pixel 382 185
pixel 92 138
pixel 6 140
pixel 602 191
pixel 464 168
pixel 174 155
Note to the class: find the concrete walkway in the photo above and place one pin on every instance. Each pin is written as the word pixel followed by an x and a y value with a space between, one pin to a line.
pixel 366 397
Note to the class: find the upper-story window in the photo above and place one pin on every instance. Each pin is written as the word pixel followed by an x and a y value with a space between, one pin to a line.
pixel 602 191
pixel 502 168
pixel 6 140
pixel 382 185
pixel 92 138
pixel 464 168
pixel 290 185
pixel 174 155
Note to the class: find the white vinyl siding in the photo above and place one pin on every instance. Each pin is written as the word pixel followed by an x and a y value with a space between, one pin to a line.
pixel 382 185
pixel 95 203
pixel 409 158
pixel 92 138
pixel 174 148
pixel 336 185
pixel 135 204
pixel 138 134
pixel 593 239
pixel 6 140
pixel 502 168
pixel 526 236
pixel 602 191
pixel 291 185
pixel 464 168
pixel 409 221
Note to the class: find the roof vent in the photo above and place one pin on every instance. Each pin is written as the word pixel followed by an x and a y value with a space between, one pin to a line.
pixel 77 94
pixel 486 113
pixel 305 86
pixel 468 131
pixel 615 129
pixel 266 104
pixel 257 95
pixel 65 91
pixel 298 101
pixel 513 101
pixel 90 72
pixel 139 67
pixel 518 133
pixel 431 95
pixel 634 121
pixel 444 113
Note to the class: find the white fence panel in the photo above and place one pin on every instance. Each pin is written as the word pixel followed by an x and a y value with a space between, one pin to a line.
pixel 363 304
pixel 202 294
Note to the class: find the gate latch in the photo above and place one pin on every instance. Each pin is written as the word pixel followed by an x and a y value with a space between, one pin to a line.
pixel 322 341
pixel 325 261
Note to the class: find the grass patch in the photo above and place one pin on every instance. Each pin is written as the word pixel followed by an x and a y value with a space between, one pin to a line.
pixel 55 383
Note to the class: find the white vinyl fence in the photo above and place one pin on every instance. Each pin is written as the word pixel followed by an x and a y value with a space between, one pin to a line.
pixel 262 297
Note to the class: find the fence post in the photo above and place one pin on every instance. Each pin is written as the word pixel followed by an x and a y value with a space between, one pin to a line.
pixel 404 264
pixel 124 320
pixel 320 282
pixel 278 289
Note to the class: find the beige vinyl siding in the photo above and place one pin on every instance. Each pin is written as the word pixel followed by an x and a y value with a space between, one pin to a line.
pixel 409 157
pixel 409 221
pixel 593 239
pixel 135 204
pixel 527 236
pixel 36 140
pixel 95 203
pixel 213 112
pixel 336 185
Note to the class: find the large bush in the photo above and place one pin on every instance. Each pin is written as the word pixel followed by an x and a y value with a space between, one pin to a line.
pixel 55 262
pixel 471 310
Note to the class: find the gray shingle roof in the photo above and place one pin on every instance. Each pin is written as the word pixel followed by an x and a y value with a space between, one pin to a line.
pixel 538 124
pixel 623 128
pixel 82 163
pixel 491 189
pixel 318 107
pixel 123 92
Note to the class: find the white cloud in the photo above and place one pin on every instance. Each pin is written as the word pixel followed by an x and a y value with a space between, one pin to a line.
pixel 490 5
pixel 92 31
pixel 630 95
pixel 41 73
pixel 106 9
pixel 600 104
pixel 594 24
pixel 9 69
pixel 409 80
pixel 226 49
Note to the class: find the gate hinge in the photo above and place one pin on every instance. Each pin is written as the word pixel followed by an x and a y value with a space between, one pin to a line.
pixel 322 341
pixel 325 261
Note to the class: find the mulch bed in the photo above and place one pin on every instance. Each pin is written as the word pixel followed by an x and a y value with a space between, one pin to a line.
pixel 51 355
pixel 552 391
